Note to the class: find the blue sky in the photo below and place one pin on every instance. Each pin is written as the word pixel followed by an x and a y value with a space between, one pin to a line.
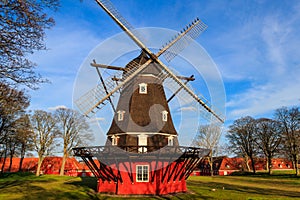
pixel 254 44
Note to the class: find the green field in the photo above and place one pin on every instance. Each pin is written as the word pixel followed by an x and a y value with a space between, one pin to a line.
pixel 261 186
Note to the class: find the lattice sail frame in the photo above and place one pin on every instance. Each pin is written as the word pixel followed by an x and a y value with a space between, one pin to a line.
pixel 170 51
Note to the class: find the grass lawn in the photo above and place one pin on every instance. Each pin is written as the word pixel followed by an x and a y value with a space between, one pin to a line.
pixel 261 186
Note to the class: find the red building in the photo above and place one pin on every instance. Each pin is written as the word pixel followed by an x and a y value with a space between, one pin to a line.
pixel 50 165
pixel 225 166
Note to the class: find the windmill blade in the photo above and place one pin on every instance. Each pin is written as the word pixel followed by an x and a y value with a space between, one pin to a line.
pixel 111 11
pixel 109 8
pixel 191 78
pixel 188 100
pixel 86 101
pixel 183 39
pixel 189 91
pixel 95 98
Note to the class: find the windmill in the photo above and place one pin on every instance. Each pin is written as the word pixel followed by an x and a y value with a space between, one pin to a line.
pixel 142 154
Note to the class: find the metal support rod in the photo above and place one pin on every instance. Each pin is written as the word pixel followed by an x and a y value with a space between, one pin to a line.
pixel 180 88
pixel 104 86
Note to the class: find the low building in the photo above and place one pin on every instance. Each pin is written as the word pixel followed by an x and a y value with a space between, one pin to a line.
pixel 225 166
pixel 50 165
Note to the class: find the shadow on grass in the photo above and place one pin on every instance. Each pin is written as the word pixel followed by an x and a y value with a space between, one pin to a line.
pixel 9 180
pixel 247 190
pixel 38 193
pixel 8 184
pixel 277 174
pixel 15 174
pixel 88 182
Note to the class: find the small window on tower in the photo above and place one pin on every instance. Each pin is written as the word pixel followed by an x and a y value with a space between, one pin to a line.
pixel 121 115
pixel 142 141
pixel 114 141
pixel 170 141
pixel 143 88
pixel 142 173
pixel 164 115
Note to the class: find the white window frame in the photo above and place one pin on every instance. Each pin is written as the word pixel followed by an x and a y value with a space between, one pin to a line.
pixel 142 141
pixel 143 88
pixel 121 115
pixel 114 140
pixel 170 140
pixel 142 173
pixel 164 116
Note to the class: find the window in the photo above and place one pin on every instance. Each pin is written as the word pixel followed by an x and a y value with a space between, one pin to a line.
pixel 142 141
pixel 170 140
pixel 164 115
pixel 121 115
pixel 114 140
pixel 142 173
pixel 143 88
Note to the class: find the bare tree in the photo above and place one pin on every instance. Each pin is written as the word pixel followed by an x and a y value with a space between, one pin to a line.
pixel 208 137
pixel 241 136
pixel 269 138
pixel 12 106
pixel 44 134
pixel 22 30
pixel 24 135
pixel 74 130
pixel 289 120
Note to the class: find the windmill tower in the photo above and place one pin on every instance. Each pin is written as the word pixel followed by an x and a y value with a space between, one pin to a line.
pixel 142 154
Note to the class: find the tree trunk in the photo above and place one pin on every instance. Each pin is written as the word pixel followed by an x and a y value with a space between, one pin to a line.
pixel 38 170
pixel 10 161
pixel 20 164
pixel 247 163
pixel 22 157
pixel 253 164
pixel 12 152
pixel 63 162
pixel 269 163
pixel 4 160
pixel 211 165
pixel 296 164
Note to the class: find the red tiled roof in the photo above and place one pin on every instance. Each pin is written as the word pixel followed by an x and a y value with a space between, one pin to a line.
pixel 225 163
pixel 49 163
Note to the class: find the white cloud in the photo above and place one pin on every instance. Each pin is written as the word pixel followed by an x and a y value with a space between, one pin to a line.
pixel 57 107
pixel 273 75
pixel 68 44
pixel 265 98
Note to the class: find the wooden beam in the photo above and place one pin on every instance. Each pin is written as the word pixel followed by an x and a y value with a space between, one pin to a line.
pixel 108 67
pixel 191 78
